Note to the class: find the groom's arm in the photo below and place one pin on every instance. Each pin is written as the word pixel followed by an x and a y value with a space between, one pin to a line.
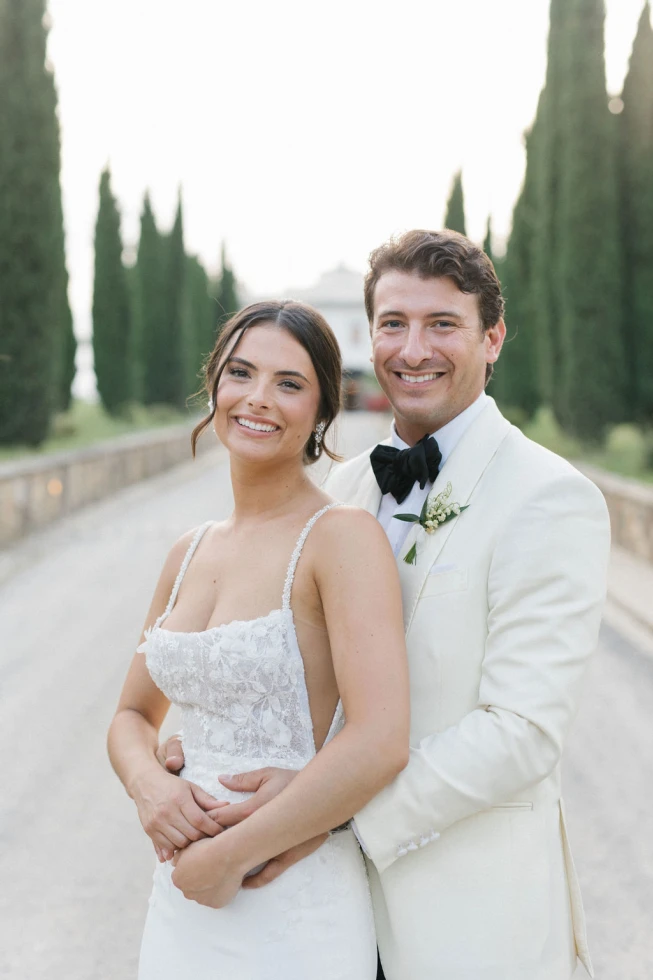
pixel 546 589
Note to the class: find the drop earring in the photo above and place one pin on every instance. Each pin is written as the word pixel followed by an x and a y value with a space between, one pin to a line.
pixel 319 435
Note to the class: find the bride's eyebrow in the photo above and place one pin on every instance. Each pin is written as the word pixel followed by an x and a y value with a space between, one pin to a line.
pixel 277 374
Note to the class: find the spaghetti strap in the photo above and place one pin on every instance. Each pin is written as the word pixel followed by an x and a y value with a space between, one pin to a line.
pixel 199 534
pixel 292 567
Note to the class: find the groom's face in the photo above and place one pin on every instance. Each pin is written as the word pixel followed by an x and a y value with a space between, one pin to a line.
pixel 429 350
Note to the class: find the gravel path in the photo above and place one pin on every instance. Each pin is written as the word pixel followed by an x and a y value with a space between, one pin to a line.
pixel 74 864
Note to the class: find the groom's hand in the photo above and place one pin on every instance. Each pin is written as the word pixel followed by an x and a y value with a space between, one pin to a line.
pixel 171 755
pixel 265 784
pixel 278 865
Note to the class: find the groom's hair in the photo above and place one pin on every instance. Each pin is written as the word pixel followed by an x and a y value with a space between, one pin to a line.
pixel 434 255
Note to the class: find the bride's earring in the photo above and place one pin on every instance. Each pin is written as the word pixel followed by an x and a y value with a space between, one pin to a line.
pixel 319 435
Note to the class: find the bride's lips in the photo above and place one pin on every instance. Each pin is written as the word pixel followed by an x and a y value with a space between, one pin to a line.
pixel 255 425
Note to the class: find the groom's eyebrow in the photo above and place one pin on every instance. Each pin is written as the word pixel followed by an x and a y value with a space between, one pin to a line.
pixel 450 314
pixel 277 374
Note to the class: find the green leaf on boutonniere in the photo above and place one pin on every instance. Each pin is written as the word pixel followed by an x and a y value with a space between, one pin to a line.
pixel 411 556
pixel 436 511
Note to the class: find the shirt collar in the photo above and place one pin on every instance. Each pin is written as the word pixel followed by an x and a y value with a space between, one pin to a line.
pixel 450 434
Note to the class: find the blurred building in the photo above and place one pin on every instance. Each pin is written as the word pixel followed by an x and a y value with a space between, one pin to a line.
pixel 338 295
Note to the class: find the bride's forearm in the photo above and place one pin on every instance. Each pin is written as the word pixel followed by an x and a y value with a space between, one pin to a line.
pixel 335 785
pixel 132 743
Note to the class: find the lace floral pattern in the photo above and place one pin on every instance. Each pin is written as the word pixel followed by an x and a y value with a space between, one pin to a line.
pixel 241 686
pixel 241 690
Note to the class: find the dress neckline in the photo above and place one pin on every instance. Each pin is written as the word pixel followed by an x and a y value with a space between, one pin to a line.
pixel 222 626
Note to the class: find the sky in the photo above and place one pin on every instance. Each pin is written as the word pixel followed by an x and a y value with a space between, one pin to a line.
pixel 301 134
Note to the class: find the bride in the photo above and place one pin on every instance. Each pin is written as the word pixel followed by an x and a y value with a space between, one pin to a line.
pixel 279 634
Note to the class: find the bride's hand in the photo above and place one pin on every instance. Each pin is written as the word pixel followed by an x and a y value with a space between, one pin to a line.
pixel 208 872
pixel 173 812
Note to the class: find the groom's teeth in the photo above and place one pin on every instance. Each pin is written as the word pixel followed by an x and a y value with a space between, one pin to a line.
pixel 416 378
pixel 259 426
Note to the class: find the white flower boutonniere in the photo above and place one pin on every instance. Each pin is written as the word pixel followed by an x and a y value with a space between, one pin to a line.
pixel 436 511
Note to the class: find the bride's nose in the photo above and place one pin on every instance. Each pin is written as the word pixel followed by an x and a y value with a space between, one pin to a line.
pixel 258 397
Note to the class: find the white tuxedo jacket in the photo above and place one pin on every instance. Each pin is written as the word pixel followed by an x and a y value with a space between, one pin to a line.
pixel 471 873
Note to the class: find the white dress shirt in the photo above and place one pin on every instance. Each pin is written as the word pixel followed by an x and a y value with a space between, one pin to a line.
pixel 447 437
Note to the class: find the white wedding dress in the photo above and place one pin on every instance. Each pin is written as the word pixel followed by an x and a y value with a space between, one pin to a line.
pixel 244 702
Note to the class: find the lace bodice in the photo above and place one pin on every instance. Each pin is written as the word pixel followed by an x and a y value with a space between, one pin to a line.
pixel 240 686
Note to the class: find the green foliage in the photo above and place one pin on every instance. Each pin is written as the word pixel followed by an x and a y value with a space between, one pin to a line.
pixel 201 321
pixel 627 450
pixel 111 307
pixel 86 423
pixel 635 127
pixel 487 241
pixel 226 292
pixel 547 227
pixel 173 343
pixel 150 305
pixel 455 215
pixel 589 270
pixel 515 380
pixel 545 429
pixel 35 345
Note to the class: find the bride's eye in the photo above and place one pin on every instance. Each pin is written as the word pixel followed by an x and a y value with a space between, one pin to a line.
pixel 237 372
pixel 291 384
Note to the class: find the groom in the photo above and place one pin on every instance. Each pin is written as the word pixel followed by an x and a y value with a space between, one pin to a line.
pixel 470 868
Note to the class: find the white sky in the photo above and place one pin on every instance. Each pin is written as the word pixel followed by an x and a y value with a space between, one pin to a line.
pixel 303 134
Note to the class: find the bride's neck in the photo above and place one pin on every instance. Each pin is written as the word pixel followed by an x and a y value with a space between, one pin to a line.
pixel 266 491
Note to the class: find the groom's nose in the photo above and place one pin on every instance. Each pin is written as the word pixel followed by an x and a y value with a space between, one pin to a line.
pixel 416 347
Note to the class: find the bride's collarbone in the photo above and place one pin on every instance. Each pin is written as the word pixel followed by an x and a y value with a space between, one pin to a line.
pixel 221 588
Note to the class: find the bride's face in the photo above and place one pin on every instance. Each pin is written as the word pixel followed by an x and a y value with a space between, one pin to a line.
pixel 268 397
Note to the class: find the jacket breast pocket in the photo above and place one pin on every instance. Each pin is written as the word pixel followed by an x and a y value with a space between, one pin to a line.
pixel 444 580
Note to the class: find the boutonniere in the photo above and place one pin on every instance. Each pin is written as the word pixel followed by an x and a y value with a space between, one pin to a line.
pixel 436 511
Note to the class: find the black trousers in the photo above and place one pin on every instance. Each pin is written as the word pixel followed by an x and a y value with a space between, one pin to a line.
pixel 380 975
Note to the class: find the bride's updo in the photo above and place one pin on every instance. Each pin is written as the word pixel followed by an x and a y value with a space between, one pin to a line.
pixel 310 329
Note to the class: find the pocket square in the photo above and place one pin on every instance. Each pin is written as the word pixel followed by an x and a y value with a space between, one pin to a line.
pixel 440 569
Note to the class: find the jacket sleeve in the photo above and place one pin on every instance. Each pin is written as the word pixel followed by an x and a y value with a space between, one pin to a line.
pixel 546 587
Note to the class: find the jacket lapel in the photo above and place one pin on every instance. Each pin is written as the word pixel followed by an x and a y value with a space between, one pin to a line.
pixel 463 470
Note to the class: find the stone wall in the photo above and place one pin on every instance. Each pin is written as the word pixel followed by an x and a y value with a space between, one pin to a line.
pixel 38 490
pixel 631 510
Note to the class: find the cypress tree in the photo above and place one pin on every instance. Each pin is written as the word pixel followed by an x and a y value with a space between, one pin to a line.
pixel 200 317
pixel 635 125
pixel 515 383
pixel 547 227
pixel 111 307
pixel 589 268
pixel 487 241
pixel 135 332
pixel 34 304
pixel 173 341
pixel 455 216
pixel 226 293
pixel 150 279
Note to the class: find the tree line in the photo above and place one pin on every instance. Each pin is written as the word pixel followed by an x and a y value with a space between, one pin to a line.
pixel 578 270
pixel 153 322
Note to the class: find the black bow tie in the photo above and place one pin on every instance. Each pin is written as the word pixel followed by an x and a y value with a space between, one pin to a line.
pixel 398 470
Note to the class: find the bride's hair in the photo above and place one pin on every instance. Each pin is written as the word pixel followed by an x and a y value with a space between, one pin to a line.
pixel 311 330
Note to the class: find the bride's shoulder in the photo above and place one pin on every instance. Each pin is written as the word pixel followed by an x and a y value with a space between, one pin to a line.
pixel 349 526
pixel 185 542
